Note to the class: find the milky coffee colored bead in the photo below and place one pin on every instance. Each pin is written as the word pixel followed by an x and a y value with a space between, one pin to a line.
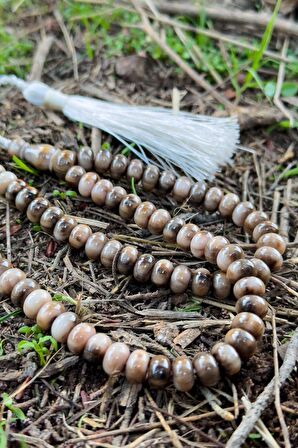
pixel 24 197
pixel 9 278
pixel 62 161
pixel 34 301
pixel 185 235
pixel 181 188
pixel 201 282
pixel 63 228
pixel 78 337
pixel 85 158
pixel 100 190
pixel 227 357
pixel 50 217
pixel 197 192
pixel 158 220
pixel 135 170
pixel 207 369
pixel 108 253
pixel 115 358
pixel 262 270
pixel 87 184
pixel 137 366
pixel 198 243
pixel 74 175
pixel 242 341
pixel 4 265
pixel 63 325
pixel 127 259
pixel 172 229
pixel 166 181
pixel 262 228
pixel 241 212
pixel 36 209
pixel 114 197
pixel 239 269
pixel 47 313
pixel 13 189
pixel 213 198
pixel 252 304
pixel 180 279
pixel 21 290
pixel 6 177
pixel 95 244
pixel 96 347
pixel 143 267
pixel 128 206
pixel 213 246
pixel 249 285
pixel 253 219
pixel 221 285
pixel 79 236
pixel 249 322
pixel 161 272
pixel 228 204
pixel 143 213
pixel 183 375
pixel 272 240
pixel 103 161
pixel 227 255
pixel 150 177
pixel 159 371
pixel 39 155
pixel 271 257
pixel 118 166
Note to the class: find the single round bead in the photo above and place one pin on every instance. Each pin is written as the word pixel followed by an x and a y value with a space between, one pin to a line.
pixel 127 259
pixel 63 228
pixel 87 184
pixel 213 198
pixel 201 282
pixel 158 220
pixel 103 161
pixel 150 177
pixel 96 347
pixel 79 236
pixel 100 190
pixel 128 206
pixel 228 204
pixel 221 285
pixel 24 197
pixel 108 253
pixel 162 272
pixel 79 336
pixel 185 235
pixel 115 358
pixel 135 170
pixel 197 192
pixel 74 175
pixel 272 240
pixel 50 217
pixel 136 366
pixel 263 228
pixel 172 229
pixel 21 290
pixel 213 246
pixel 37 207
pixel 227 255
pixel 227 357
pixel 198 243
pixel 13 189
pixel 183 375
pixel 180 279
pixel 239 269
pixel 207 369
pixel 62 161
pixel 85 158
pixel 5 265
pixel 262 270
pixel 6 177
pixel 143 213
pixel 270 256
pixel 249 322
pixel 159 371
pixel 252 304
pixel 95 244
pixel 181 188
pixel 249 285
pixel 242 341
pixel 40 156
pixel 253 219
pixel 63 325
pixel 47 313
pixel 9 278
pixel 118 166
pixel 166 181
pixel 241 212
pixel 143 267
pixel 114 197
pixel 34 301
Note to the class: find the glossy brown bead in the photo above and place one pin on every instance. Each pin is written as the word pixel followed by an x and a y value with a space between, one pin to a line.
pixel 9 278
pixel 213 246
pixel 221 285
pixel 143 213
pixel 262 228
pixel 227 357
pixel 242 341
pixel 74 175
pixel 197 192
pixel 239 269
pixel 212 199
pixel 241 212
pixel 207 369
pixel 127 259
pixel 40 156
pixel 137 366
pixel 34 301
pixel 201 282
pixel 47 313
pixel 62 161
pixel 198 243
pixel 79 236
pixel 50 217
pixel 13 189
pixel 135 170
pixel 162 272
pixel 103 160
pixel 37 207
pixel 63 228
pixel 159 371
pixel 95 244
pixel 114 197
pixel 172 229
pixel 143 267
pixel 150 177
pixel 25 197
pixel 249 285
pixel 118 166
pixel 183 375
pixel 181 188
pixel 87 184
pixel 228 204
pixel 227 255
pixel 272 240
pixel 166 181
pixel 6 177
pixel 108 253
pixel 185 235
pixel 63 325
pixel 253 219
pixel 96 347
pixel 100 190
pixel 85 158
pixel 270 256
pixel 180 279
pixel 128 206
pixel 78 337
pixel 252 304
pixel 262 270
pixel 158 220
pixel 249 322
pixel 5 265
pixel 21 290
pixel 115 358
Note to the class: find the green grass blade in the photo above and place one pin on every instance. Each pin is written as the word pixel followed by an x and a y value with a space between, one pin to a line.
pixel 21 165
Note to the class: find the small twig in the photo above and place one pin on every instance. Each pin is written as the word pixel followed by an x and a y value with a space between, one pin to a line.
pixel 69 43
pixel 7 229
pixel 280 79
pixel 40 57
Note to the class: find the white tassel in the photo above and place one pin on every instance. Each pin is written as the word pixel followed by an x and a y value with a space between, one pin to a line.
pixel 195 144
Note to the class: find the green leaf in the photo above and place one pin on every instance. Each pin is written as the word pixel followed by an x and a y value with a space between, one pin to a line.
pixel 71 194
pixel 106 145
pixel 132 183
pixel 8 315
pixel 289 89
pixel 3 438
pixel 51 340
pixel 21 165
pixel 290 173
pixel 7 402
pixel 36 228
pixel 55 193
pixel 62 298
pixel 269 89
